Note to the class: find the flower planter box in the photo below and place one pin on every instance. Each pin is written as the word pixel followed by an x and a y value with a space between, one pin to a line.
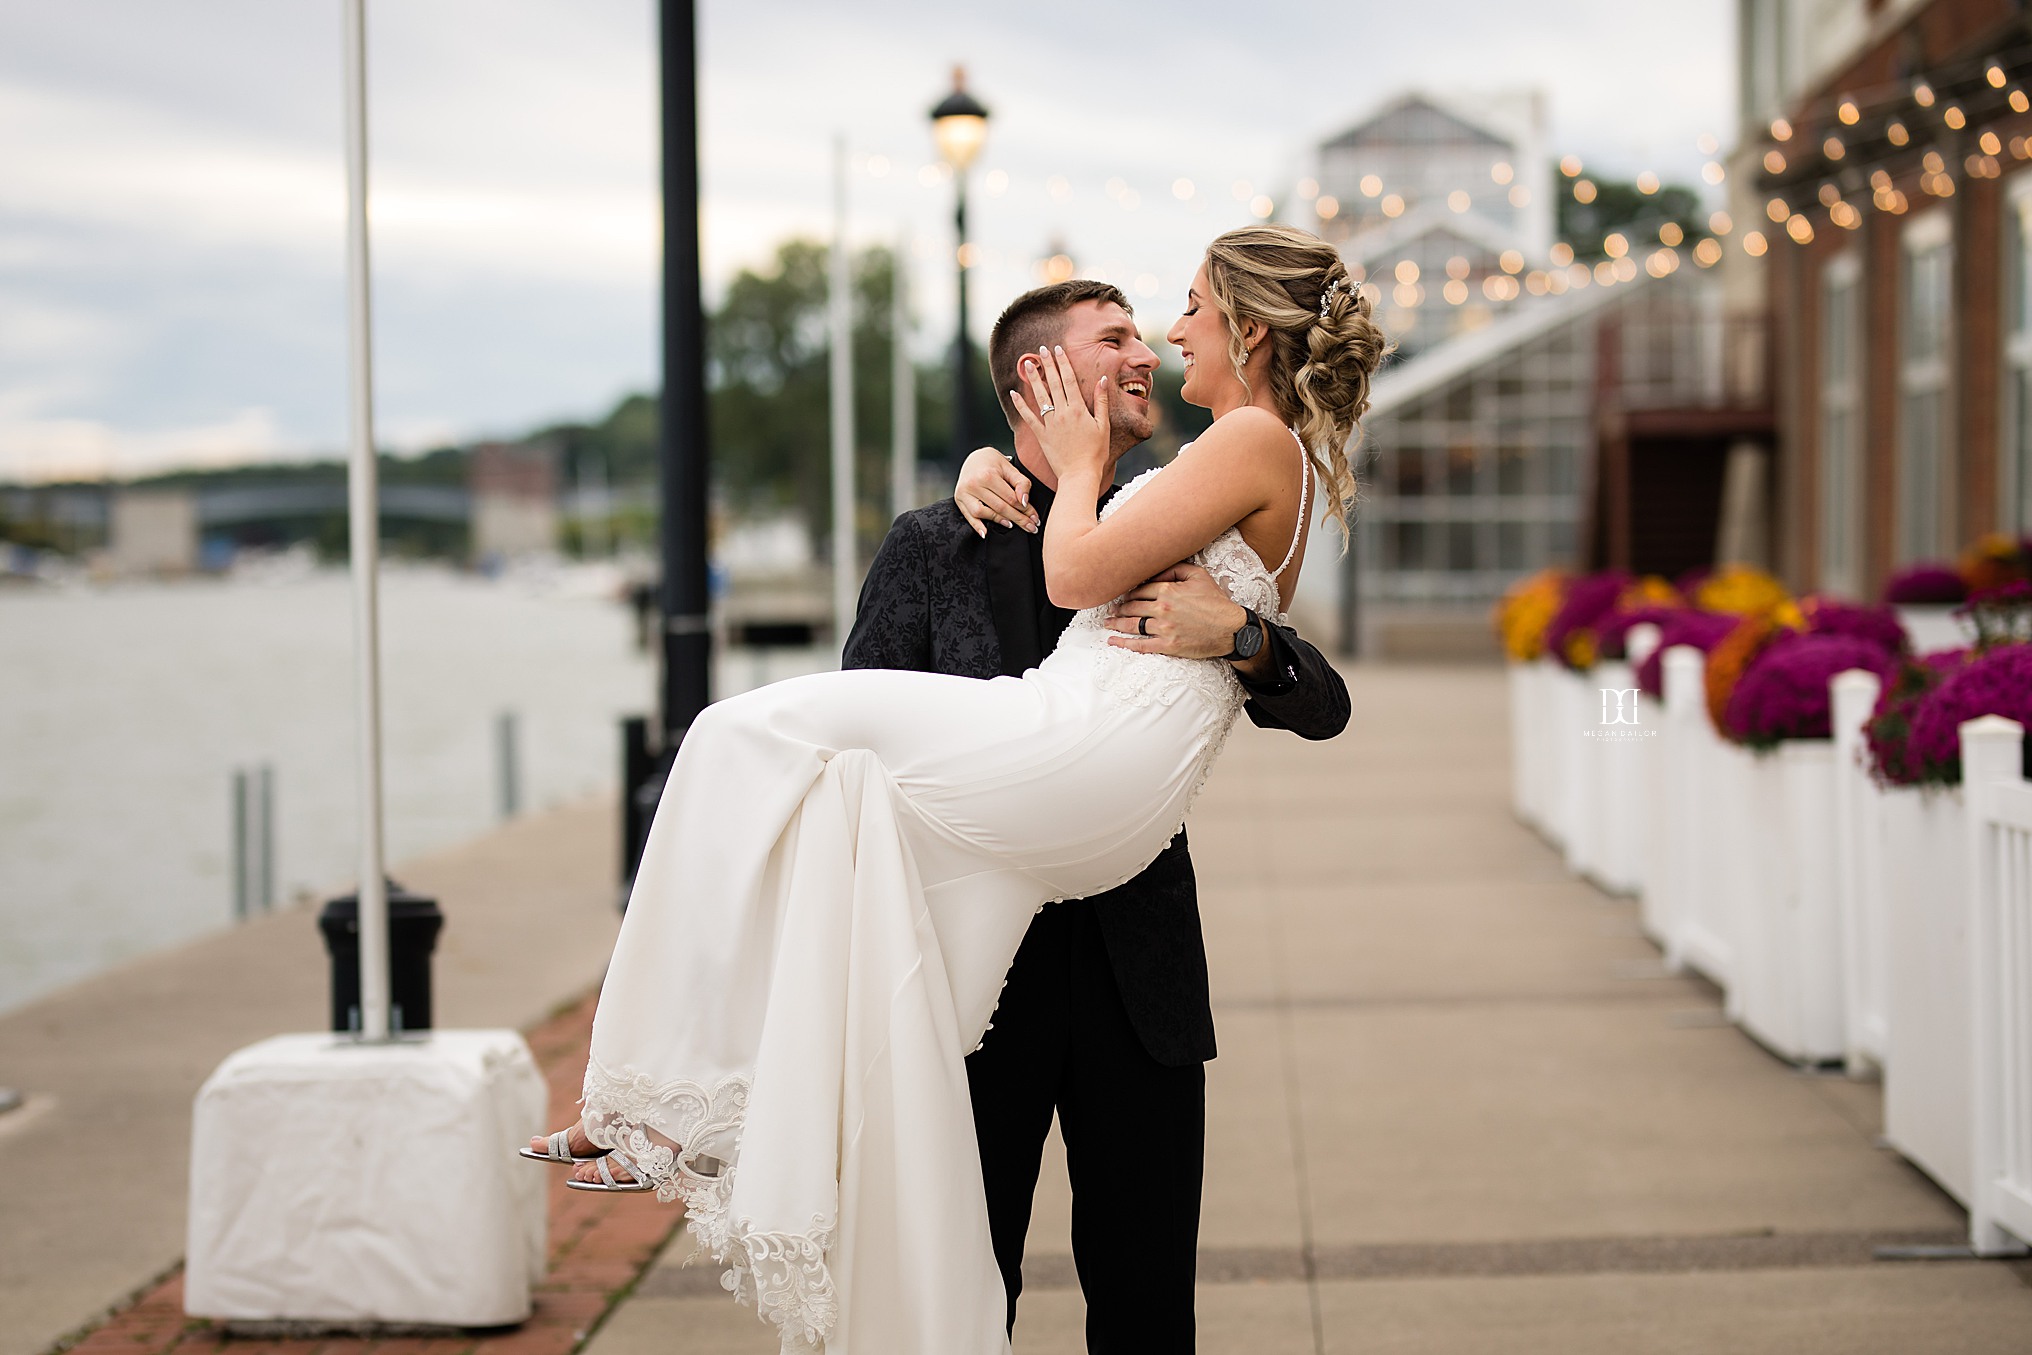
pixel 1859 874
pixel 1619 757
pixel 1932 627
pixel 1928 1063
pixel 1999 800
pixel 1788 973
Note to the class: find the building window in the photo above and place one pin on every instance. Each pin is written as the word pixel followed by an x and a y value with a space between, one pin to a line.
pixel 1841 409
pixel 2014 481
pixel 1924 355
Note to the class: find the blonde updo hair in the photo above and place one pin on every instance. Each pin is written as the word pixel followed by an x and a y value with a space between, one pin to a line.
pixel 1324 345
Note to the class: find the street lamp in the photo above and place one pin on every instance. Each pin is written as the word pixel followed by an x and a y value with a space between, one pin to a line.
pixel 960 127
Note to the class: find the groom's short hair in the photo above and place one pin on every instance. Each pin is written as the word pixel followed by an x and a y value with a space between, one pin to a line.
pixel 1035 320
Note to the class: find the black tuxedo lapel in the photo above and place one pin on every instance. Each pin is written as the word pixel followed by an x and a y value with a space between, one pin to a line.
pixel 1012 597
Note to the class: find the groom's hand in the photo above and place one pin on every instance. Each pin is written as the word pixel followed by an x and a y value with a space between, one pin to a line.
pixel 1183 612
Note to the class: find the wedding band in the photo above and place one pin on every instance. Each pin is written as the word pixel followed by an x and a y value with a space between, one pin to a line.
pixel 1046 409
pixel 1142 625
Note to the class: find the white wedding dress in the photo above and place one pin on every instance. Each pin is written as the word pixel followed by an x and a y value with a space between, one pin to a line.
pixel 837 879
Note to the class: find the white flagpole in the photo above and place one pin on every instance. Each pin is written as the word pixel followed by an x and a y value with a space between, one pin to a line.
pixel 902 389
pixel 846 584
pixel 362 501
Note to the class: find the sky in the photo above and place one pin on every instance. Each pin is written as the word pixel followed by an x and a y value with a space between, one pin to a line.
pixel 171 208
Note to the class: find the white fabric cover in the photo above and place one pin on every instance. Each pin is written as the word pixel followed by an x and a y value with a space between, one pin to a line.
pixel 837 878
pixel 340 1182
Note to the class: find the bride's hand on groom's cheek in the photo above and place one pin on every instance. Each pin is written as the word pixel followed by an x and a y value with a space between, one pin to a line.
pixel 1074 437
pixel 1181 612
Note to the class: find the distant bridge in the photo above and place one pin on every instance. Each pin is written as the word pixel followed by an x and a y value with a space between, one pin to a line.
pixel 227 506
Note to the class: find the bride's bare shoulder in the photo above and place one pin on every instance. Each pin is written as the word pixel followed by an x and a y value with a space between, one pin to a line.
pixel 1243 435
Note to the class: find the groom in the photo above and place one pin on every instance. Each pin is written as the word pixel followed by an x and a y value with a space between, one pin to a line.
pixel 1105 1018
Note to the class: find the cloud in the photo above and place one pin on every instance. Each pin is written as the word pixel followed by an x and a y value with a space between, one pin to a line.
pixel 88 449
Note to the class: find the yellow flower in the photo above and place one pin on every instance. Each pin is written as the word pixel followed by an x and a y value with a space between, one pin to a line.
pixel 1740 590
pixel 1526 610
pixel 1580 649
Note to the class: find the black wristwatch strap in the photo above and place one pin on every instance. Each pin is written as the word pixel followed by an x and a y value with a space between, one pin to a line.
pixel 1252 627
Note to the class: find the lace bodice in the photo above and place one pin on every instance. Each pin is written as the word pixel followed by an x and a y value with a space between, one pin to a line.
pixel 1144 678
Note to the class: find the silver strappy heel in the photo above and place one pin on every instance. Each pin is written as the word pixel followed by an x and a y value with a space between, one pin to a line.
pixel 557 1148
pixel 607 1183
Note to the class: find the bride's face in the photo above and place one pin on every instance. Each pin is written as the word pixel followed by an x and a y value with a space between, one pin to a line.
pixel 1201 335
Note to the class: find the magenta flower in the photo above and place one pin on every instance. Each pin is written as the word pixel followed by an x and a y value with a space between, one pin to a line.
pixel 1996 683
pixel 1682 626
pixel 1588 600
pixel 1925 585
pixel 1878 625
pixel 1783 693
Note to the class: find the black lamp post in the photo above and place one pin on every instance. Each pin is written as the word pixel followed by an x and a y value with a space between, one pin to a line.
pixel 960 126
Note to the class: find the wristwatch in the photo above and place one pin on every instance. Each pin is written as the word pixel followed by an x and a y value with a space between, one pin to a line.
pixel 1248 640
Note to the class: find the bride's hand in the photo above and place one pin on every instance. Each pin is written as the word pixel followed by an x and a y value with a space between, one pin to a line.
pixel 991 489
pixel 1074 438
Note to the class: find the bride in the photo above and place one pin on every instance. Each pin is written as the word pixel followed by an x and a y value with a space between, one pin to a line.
pixel 843 865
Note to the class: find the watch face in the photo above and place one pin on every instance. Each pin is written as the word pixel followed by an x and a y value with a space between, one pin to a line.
pixel 1249 639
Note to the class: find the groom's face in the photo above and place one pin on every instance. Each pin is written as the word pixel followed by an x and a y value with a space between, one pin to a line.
pixel 1101 340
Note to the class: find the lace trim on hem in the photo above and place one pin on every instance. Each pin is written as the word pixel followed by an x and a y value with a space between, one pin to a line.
pixel 782 1274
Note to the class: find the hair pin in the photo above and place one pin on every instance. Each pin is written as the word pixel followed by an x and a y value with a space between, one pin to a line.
pixel 1326 297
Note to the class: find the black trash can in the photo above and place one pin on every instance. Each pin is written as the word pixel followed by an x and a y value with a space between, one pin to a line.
pixel 413 925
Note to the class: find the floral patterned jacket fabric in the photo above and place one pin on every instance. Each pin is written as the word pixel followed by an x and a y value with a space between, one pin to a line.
pixel 939 599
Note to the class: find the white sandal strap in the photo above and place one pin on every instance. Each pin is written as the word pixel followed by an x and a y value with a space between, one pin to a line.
pixel 560 1145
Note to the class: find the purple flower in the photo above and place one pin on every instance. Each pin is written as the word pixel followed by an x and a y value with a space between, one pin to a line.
pixel 1614 631
pixel 1997 683
pixel 1783 693
pixel 1878 625
pixel 1925 585
pixel 1684 626
pixel 1588 600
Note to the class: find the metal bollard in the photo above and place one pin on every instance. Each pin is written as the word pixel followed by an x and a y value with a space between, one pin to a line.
pixel 253 849
pixel 240 881
pixel 506 764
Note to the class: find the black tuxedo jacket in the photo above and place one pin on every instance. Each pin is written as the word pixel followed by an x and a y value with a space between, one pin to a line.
pixel 939 599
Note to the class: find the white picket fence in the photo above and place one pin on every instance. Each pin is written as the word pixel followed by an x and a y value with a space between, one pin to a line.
pixel 1884 928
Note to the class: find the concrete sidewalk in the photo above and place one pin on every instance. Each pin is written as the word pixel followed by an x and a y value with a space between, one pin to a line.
pixel 1460 1106
pixel 93 1204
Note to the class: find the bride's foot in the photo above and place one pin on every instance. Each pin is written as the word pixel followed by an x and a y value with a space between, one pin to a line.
pixel 615 1171
pixel 565 1145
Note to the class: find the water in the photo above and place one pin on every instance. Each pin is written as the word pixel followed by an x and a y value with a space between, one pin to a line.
pixel 124 710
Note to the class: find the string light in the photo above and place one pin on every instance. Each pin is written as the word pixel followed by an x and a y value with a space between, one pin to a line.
pixel 1670 233
pixel 1754 244
pixel 1708 143
pixel 1781 130
pixel 1954 117
pixel 1183 190
pixel 1832 148
pixel 1777 209
pixel 1896 134
pixel 1501 172
pixel 1707 253
pixel 1371 185
pixel 1605 273
pixel 2019 103
pixel 1510 261
pixel 1922 94
pixel 1849 113
pixel 1829 195
pixel 1720 223
pixel 1713 172
pixel 1459 200
pixel 1614 245
pixel 1647 183
pixel 1569 165
pixel 1583 191
pixel 1457 267
pixel 1845 216
pixel 1534 283
pixel 1990 144
pixel 1455 292
pixel 1393 206
pixel 1995 75
pixel 1328 206
pixel 1800 229
pixel 1774 162
pixel 1406 272
pixel 1562 254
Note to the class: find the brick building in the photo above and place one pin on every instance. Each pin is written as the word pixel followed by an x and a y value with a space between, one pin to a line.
pixel 1885 157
